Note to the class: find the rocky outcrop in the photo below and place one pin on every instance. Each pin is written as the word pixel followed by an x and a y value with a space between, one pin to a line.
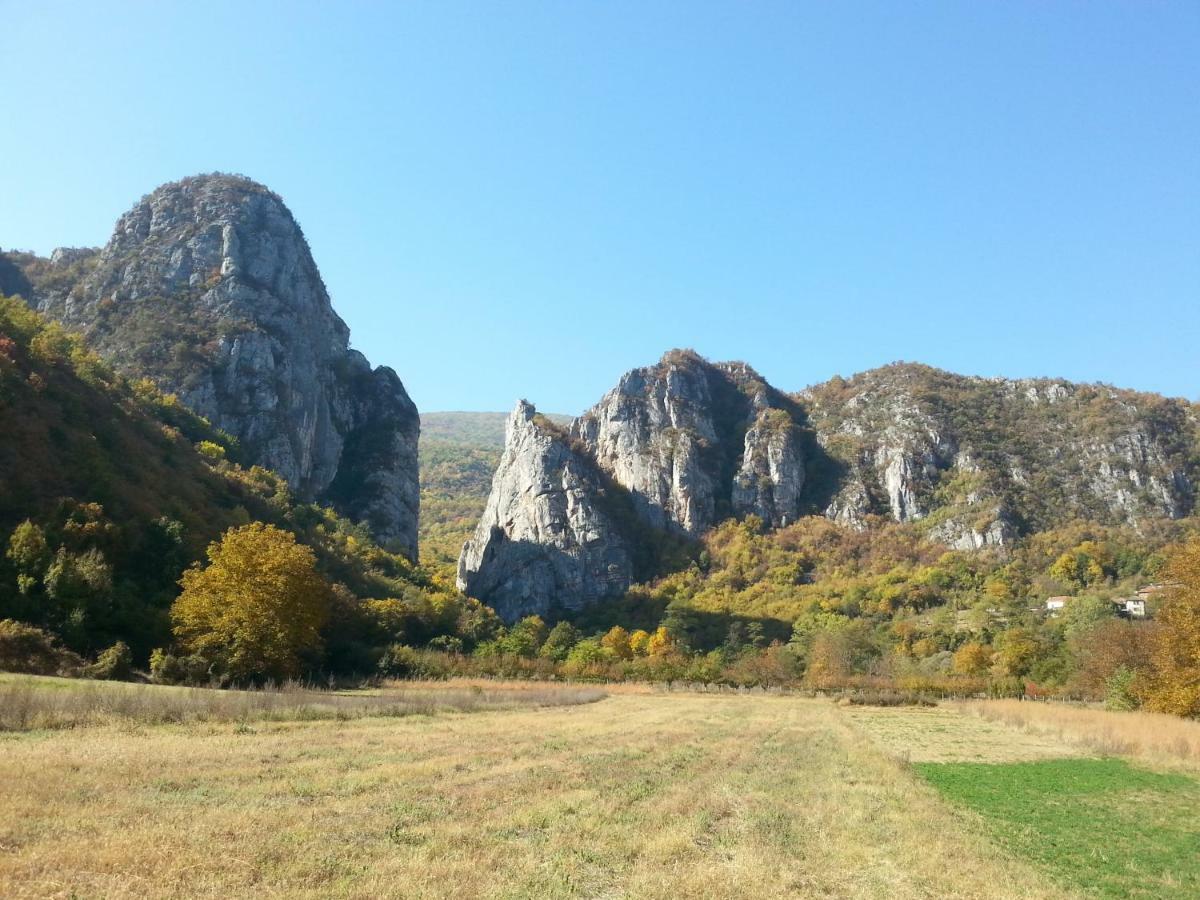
pixel 972 462
pixel 770 481
pixel 980 460
pixel 547 539
pixel 208 287
pixel 695 442
pixel 573 516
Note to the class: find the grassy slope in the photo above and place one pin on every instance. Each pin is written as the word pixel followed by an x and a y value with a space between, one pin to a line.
pixel 639 795
pixel 71 428
pixel 64 437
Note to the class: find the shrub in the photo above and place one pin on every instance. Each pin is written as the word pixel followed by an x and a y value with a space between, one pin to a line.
pixel 114 664
pixel 1119 695
pixel 400 661
pixel 211 451
pixel 30 650
pixel 166 668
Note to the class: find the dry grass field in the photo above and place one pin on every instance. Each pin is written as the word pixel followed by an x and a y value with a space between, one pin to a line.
pixel 1152 737
pixel 32 702
pixel 639 795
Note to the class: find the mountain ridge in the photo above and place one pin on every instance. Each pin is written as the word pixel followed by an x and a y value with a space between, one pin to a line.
pixel 974 462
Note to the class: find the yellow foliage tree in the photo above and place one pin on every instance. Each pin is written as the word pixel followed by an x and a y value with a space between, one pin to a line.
pixel 972 658
pixel 639 642
pixel 1173 682
pixel 660 642
pixel 257 608
pixel 617 641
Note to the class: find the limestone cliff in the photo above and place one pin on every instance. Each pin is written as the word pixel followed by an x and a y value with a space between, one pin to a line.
pixel 695 442
pixel 979 460
pixel 546 539
pixel 208 287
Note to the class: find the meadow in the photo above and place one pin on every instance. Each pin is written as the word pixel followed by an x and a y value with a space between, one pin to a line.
pixel 550 792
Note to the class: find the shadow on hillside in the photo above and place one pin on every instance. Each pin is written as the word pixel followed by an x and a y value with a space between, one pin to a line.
pixel 703 630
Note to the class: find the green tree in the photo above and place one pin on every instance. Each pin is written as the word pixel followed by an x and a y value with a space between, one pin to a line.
pixel 258 607
pixel 563 636
pixel 1084 613
pixel 29 553
pixel 525 638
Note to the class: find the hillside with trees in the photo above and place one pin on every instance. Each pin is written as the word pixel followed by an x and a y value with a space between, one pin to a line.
pixel 110 490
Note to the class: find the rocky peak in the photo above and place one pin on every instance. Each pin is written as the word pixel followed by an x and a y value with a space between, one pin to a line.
pixel 547 538
pixel 695 442
pixel 208 287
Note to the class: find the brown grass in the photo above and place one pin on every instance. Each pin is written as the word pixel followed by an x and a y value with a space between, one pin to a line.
pixel 643 795
pixel 944 734
pixel 29 702
pixel 1153 737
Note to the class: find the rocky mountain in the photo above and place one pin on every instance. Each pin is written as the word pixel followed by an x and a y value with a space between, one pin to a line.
pixel 548 536
pixel 974 462
pixel 979 461
pixel 696 442
pixel 681 445
pixel 459 454
pixel 208 287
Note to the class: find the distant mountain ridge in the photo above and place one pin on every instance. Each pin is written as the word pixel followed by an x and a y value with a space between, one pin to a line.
pixel 476 429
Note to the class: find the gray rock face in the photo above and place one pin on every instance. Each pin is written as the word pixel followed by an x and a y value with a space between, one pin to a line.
pixel 770 482
pixel 985 459
pixel 208 287
pixel 696 442
pixel 675 447
pixel 545 539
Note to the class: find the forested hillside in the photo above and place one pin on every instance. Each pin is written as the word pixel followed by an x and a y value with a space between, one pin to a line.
pixel 110 489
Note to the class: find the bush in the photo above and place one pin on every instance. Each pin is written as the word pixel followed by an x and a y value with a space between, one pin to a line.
pixel 211 451
pixel 32 651
pixel 168 669
pixel 400 661
pixel 1119 694
pixel 114 664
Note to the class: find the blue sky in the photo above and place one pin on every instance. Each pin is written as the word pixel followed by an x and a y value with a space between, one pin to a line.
pixel 526 199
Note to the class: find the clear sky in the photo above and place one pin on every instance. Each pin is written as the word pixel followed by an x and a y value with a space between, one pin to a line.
pixel 526 199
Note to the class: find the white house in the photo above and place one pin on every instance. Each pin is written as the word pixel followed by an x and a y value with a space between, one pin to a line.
pixel 1055 605
pixel 1131 607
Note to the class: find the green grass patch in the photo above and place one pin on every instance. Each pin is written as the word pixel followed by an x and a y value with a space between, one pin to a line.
pixel 1096 824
